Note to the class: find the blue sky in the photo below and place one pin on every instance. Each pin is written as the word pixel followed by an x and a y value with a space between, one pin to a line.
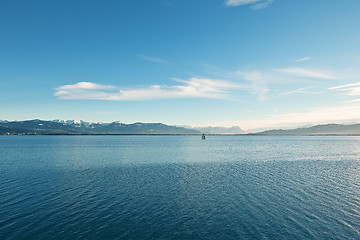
pixel 249 63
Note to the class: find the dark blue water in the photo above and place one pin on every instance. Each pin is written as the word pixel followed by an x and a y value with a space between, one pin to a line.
pixel 179 187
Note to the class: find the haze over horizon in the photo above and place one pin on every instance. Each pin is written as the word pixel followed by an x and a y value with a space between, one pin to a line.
pixel 256 64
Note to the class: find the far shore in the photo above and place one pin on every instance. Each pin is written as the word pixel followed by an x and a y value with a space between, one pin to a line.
pixel 178 134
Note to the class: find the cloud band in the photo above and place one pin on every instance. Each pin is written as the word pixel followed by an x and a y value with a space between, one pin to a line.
pixel 192 88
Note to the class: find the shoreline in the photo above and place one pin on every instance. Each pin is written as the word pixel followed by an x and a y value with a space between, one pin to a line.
pixel 177 134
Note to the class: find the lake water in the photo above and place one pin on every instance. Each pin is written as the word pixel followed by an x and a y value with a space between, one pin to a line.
pixel 179 187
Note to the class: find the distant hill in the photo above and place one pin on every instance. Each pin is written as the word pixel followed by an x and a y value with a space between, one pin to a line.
pixel 326 129
pixel 220 130
pixel 79 127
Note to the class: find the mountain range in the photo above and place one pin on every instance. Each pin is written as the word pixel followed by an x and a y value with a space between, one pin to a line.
pixel 325 129
pixel 220 130
pixel 68 127
pixel 80 127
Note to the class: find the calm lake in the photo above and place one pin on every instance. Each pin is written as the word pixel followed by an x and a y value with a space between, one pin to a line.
pixel 179 187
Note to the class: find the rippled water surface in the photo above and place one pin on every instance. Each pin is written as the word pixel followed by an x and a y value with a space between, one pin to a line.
pixel 179 187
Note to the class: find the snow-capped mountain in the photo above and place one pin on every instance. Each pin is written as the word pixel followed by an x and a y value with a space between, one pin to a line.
pixel 79 123
pixel 80 127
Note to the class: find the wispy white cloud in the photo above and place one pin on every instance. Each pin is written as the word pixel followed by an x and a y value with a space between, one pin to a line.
pixel 84 89
pixel 152 59
pixel 255 4
pixel 262 4
pixel 85 85
pixel 255 83
pixel 346 86
pixel 348 69
pixel 305 73
pixel 265 83
pixel 303 90
pixel 303 59
pixel 192 88
pixel 352 89
pixel 353 101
